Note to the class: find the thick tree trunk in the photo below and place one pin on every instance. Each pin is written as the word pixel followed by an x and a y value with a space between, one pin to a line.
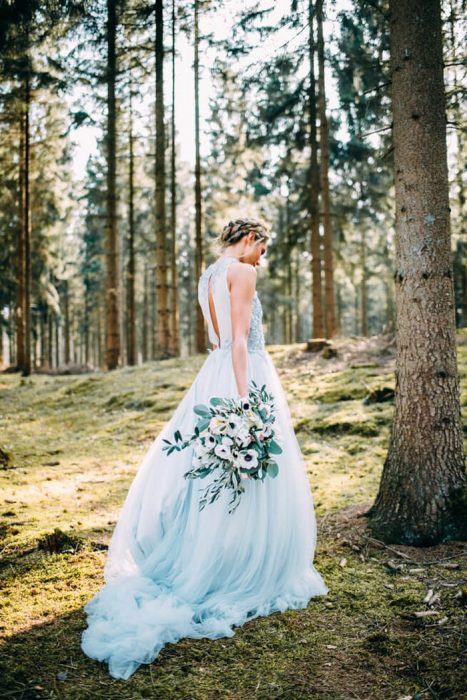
pixel 201 339
pixel 317 294
pixel 421 499
pixel 130 272
pixel 330 302
pixel 111 239
pixel 174 311
pixel 163 331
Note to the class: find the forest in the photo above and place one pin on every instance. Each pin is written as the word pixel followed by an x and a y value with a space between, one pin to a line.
pixel 131 133
pixel 99 268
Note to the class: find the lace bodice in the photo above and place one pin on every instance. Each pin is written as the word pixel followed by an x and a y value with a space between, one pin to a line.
pixel 216 276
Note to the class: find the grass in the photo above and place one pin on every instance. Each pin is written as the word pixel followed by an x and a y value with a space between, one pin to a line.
pixel 70 447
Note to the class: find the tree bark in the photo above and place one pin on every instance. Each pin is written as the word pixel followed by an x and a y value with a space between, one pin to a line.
pixel 111 238
pixel 163 331
pixel 26 369
pixel 421 499
pixel 175 332
pixel 21 258
pixel 289 272
pixel 201 339
pixel 130 272
pixel 145 316
pixel 364 280
pixel 317 294
pixel 330 301
pixel 66 318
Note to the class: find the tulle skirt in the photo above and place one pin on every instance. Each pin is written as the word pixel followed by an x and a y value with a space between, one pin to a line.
pixel 173 571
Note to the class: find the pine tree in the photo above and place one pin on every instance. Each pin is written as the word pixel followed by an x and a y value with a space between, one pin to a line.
pixel 421 498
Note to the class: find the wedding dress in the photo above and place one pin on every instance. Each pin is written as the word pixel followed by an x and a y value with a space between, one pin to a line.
pixel 173 571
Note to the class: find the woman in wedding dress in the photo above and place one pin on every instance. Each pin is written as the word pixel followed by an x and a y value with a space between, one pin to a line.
pixel 173 570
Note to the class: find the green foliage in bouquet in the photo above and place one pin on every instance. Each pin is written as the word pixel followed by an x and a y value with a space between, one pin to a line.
pixel 235 440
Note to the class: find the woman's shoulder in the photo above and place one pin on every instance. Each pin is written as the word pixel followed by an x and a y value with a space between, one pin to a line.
pixel 241 274
pixel 242 270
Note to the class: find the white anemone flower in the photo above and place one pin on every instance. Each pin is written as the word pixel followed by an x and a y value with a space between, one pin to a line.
pixel 266 408
pixel 235 423
pixel 218 425
pixel 223 451
pixel 248 459
pixel 243 438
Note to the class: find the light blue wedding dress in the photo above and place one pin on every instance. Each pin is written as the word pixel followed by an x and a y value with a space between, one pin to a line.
pixel 173 571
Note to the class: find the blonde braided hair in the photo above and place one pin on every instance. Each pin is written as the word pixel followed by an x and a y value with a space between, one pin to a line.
pixel 235 230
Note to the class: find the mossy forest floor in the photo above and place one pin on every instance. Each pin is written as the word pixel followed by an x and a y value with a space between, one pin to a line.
pixel 70 446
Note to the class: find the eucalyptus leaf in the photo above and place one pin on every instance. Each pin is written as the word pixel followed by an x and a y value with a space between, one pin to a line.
pixel 201 410
pixel 274 448
pixel 273 469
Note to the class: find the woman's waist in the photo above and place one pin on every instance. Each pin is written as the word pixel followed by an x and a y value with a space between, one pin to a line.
pixel 227 346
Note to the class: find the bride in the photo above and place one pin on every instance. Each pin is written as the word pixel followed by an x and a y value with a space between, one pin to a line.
pixel 173 570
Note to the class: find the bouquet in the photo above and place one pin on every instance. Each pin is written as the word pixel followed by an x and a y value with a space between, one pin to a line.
pixel 233 439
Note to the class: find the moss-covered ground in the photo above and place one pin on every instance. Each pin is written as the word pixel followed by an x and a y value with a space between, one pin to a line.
pixel 69 448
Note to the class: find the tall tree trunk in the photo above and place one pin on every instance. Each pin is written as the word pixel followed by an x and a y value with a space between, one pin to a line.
pixel 50 338
pixel 153 311
pixel 317 294
pixel 21 257
pixel 111 238
pixel 57 340
pixel 421 499
pixel 363 283
pixel 289 288
pixel 163 331
pixel 330 302
pixel 298 325
pixel 23 313
pixel 66 330
pixel 201 340
pixel 26 369
pixel 130 272
pixel 145 316
pixel 175 335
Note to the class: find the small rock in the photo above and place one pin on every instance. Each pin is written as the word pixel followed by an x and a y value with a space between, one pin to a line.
pixel 62 676
pixel 343 562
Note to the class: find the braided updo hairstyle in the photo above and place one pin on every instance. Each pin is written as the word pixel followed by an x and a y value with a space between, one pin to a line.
pixel 235 230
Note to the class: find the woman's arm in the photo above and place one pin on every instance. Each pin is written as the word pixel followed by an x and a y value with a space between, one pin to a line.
pixel 242 288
